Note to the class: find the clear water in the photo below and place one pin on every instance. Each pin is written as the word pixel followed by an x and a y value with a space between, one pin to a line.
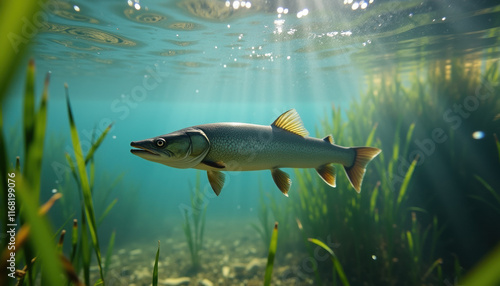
pixel 153 67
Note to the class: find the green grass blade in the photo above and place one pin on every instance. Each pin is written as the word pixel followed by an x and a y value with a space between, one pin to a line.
pixel 489 188
pixel 36 148
pixel 408 138
pixel 155 268
pixel 85 250
pixel 270 258
pixel 97 143
pixel 72 167
pixel 29 110
pixel 61 242
pixel 3 178
pixel 74 241
pixel 34 124
pixel 13 18
pixel 85 186
pixel 406 182
pixel 410 242
pixel 109 252
pixel 369 141
pixel 336 262
pixel 433 266
pixel 486 202
pixel 322 245
pixel 41 235
pixel 106 212
pixel 92 175
pixel 189 237
pixel 202 229
pixel 373 198
pixel 486 271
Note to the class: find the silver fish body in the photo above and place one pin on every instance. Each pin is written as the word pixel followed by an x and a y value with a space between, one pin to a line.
pixel 248 147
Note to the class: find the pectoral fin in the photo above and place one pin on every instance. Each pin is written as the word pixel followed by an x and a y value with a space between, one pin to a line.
pixel 218 165
pixel 216 180
pixel 327 173
pixel 282 180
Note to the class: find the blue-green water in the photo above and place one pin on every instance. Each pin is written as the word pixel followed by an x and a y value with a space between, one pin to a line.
pixel 153 67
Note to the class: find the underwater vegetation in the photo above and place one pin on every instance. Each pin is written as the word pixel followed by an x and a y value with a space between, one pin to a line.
pixel 395 232
pixel 379 236
pixel 34 241
pixel 270 257
pixel 194 224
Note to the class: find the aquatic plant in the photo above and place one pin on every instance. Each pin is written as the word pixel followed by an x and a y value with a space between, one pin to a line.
pixel 270 257
pixel 495 195
pixel 85 187
pixel 25 186
pixel 486 271
pixel 380 233
pixel 155 267
pixel 263 216
pixel 337 267
pixel 194 224
pixel 35 237
pixel 16 37
pixel 350 219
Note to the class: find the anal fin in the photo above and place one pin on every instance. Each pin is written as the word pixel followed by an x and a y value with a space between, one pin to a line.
pixel 282 180
pixel 327 173
pixel 216 180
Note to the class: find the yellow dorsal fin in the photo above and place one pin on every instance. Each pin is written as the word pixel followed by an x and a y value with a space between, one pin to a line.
pixel 290 121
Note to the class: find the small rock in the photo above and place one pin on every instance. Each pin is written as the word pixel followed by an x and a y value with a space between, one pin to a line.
pixel 125 272
pixel 253 266
pixel 122 251
pixel 225 271
pixel 135 252
pixel 239 269
pixel 205 282
pixel 217 243
pixel 142 273
pixel 175 281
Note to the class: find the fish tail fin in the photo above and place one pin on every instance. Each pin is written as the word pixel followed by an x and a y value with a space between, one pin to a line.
pixel 362 156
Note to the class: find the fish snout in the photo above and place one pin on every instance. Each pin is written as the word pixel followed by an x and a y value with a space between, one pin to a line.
pixel 143 149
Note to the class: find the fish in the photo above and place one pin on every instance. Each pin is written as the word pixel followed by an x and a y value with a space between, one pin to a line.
pixel 231 146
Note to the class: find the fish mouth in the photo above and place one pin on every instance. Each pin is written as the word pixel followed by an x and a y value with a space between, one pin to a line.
pixel 141 151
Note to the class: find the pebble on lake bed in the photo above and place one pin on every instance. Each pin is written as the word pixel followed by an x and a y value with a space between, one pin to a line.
pixel 253 266
pixel 175 281
pixel 225 271
pixel 135 252
pixel 205 282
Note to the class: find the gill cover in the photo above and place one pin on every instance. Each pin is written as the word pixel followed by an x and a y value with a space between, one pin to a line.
pixel 197 150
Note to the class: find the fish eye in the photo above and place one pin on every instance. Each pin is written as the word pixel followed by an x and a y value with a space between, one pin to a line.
pixel 160 142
